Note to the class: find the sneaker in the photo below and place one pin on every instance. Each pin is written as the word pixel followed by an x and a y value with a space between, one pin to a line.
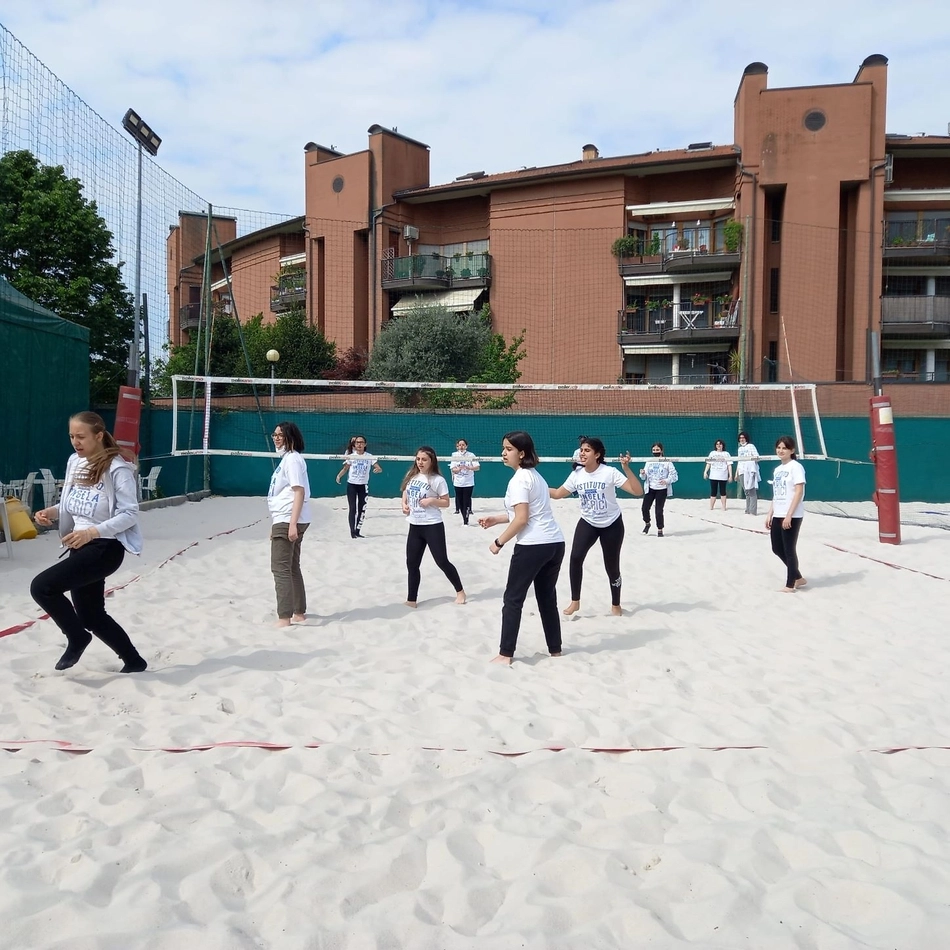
pixel 659 534
pixel 646 528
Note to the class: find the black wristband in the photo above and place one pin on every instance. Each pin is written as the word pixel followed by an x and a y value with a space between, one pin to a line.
pixel 499 544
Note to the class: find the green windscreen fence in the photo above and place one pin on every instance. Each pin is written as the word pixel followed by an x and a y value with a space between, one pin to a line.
pixel 44 378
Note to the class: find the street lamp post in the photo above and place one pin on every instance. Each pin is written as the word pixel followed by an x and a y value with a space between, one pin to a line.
pixel 146 139
pixel 272 357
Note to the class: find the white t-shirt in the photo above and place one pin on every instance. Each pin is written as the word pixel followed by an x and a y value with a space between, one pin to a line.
pixel 360 466
pixel 528 487
pixel 88 504
pixel 657 474
pixel 576 458
pixel 784 480
pixel 718 466
pixel 597 492
pixel 425 486
pixel 463 465
pixel 747 469
pixel 291 473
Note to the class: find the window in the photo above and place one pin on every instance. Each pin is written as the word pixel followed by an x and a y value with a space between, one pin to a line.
pixel 942 286
pixel 905 286
pixel 916 227
pixel 900 363
pixel 773 290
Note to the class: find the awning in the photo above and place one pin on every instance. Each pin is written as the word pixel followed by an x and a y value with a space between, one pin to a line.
pixel 457 301
pixel 667 280
pixel 673 208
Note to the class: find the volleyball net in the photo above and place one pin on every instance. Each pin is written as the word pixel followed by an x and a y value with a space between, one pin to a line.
pixel 235 416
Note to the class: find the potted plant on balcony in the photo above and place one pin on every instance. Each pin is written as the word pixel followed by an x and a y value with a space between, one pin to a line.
pixel 466 272
pixel 699 300
pixel 682 244
pixel 418 265
pixel 655 244
pixel 627 246
pixel 732 235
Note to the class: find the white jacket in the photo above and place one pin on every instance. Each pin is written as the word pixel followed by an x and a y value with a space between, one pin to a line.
pixel 122 493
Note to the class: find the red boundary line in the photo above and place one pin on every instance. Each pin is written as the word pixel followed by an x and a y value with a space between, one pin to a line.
pixel 20 627
pixel 64 746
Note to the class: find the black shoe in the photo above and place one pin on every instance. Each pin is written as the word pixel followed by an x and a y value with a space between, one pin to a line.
pixel 659 534
pixel 646 528
pixel 135 664
pixel 73 652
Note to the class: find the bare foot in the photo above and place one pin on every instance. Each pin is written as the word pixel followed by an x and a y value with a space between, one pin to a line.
pixel 298 618
pixel 801 582
pixel 411 603
pixel 617 610
pixel 283 622
pixel 571 608
pixel 460 597
pixel 503 660
pixel 786 590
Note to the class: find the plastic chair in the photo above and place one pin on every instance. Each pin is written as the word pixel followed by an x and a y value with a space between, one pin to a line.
pixel 26 494
pixel 49 487
pixel 5 521
pixel 148 484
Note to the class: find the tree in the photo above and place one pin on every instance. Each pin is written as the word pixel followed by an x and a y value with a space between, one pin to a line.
pixel 305 353
pixel 431 344
pixel 57 249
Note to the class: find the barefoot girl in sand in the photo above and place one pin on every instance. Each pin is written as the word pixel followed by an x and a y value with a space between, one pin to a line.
pixel 98 517
pixel 288 500
pixel 539 549
pixel 424 494
pixel 596 485
pixel 784 520
pixel 358 463
pixel 464 465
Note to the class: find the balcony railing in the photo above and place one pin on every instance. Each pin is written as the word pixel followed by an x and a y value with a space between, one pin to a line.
pixel 709 321
pixel 434 270
pixel 189 316
pixel 936 252
pixel 678 261
pixel 291 290
pixel 916 314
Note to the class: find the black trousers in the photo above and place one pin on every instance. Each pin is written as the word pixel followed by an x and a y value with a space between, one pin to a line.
pixel 431 536
pixel 537 564
pixel 785 547
pixel 586 536
pixel 463 500
pixel 650 496
pixel 356 502
pixel 83 574
pixel 717 487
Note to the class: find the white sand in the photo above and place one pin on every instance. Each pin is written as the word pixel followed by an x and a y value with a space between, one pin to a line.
pixel 404 829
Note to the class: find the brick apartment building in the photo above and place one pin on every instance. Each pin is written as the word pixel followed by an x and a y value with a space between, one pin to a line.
pixel 772 258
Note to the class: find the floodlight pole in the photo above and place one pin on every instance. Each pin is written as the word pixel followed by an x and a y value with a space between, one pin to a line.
pixel 135 364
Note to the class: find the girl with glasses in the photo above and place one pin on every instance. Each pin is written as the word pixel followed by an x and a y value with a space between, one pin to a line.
pixel 658 476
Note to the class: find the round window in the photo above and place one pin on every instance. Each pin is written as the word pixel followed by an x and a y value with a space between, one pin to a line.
pixel 814 120
pixel 338 184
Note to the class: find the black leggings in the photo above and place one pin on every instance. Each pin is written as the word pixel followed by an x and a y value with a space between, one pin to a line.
pixel 785 547
pixel 83 574
pixel 717 487
pixel 539 564
pixel 431 536
pixel 657 495
pixel 611 540
pixel 463 500
pixel 356 501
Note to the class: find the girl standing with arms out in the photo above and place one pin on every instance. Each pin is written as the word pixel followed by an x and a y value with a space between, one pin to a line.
pixel 98 517
pixel 288 500
pixel 464 465
pixel 658 477
pixel 784 520
pixel 596 485
pixel 539 549
pixel 719 472
pixel 747 472
pixel 358 463
pixel 424 493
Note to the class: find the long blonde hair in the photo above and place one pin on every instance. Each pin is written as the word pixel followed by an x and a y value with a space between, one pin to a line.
pixel 414 471
pixel 98 463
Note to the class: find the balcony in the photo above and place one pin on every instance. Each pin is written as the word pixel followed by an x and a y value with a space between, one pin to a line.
pixel 685 261
pixel 897 251
pixel 916 316
pixel 290 292
pixel 706 323
pixel 188 316
pixel 434 272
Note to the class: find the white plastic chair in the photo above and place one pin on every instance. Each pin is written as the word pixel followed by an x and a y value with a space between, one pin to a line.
pixel 49 487
pixel 5 521
pixel 26 494
pixel 148 484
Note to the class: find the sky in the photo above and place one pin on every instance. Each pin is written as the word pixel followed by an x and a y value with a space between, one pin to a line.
pixel 236 89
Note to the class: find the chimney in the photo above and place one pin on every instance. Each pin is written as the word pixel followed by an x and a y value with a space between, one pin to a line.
pixel 589 153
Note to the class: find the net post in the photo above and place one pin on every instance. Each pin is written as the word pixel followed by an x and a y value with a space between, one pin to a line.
pixel 884 456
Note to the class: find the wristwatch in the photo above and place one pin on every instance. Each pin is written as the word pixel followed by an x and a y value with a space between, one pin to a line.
pixel 499 544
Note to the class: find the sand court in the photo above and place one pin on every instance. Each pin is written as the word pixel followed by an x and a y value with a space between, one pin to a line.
pixel 415 799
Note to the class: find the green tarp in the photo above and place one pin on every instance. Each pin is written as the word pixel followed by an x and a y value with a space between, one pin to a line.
pixel 44 378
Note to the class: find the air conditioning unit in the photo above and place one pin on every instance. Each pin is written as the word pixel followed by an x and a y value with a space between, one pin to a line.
pixel 889 168
pixel 410 233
